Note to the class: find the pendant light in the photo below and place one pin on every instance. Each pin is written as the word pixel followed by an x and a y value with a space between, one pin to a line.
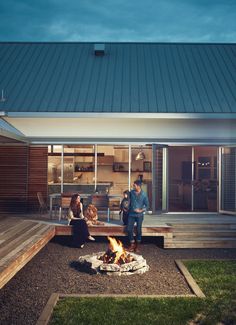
pixel 140 155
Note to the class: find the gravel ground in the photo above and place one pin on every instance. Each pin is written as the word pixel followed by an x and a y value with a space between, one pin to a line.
pixel 54 269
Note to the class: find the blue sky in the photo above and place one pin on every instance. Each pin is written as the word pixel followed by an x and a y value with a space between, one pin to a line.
pixel 118 20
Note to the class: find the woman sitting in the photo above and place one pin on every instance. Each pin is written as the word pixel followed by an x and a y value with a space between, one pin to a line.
pixel 77 220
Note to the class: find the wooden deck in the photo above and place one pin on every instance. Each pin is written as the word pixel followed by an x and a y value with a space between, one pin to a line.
pixel 20 240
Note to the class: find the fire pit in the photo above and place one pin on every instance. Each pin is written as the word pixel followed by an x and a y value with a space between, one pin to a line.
pixel 115 261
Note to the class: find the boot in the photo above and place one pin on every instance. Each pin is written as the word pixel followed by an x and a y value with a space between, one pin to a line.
pixel 131 247
pixel 136 248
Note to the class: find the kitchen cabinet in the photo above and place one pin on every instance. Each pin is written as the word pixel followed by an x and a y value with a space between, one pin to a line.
pixel 120 167
pixel 105 160
pixel 121 155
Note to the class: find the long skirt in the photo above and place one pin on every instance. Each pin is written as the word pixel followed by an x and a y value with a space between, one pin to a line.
pixel 80 232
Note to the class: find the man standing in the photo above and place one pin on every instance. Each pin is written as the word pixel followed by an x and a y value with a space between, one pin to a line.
pixel 138 205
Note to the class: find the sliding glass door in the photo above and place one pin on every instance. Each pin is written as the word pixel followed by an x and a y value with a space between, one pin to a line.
pixel 193 179
pixel 205 184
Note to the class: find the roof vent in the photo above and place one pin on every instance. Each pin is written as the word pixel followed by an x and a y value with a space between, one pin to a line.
pixel 99 49
pixel 2 97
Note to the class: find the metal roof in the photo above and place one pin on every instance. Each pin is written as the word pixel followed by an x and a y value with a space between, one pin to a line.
pixel 129 78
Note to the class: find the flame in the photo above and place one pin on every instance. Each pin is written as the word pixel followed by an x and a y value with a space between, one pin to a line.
pixel 116 253
pixel 116 246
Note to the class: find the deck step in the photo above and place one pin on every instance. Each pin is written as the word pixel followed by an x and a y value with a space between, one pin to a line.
pixel 204 233
pixel 212 239
pixel 188 226
pixel 204 242
pixel 212 234
pixel 201 245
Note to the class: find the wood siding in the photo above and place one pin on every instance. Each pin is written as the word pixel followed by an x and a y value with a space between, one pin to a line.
pixel 23 173
pixel 13 179
pixel 38 176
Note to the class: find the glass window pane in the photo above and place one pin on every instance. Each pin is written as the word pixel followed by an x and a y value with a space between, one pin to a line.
pixel 78 169
pixel 112 171
pixel 205 181
pixel 54 169
pixel 180 178
pixel 141 168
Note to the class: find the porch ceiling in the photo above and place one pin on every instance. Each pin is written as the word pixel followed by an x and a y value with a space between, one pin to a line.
pixel 111 129
pixel 9 134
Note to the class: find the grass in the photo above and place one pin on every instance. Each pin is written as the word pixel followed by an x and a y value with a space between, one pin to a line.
pixel 217 279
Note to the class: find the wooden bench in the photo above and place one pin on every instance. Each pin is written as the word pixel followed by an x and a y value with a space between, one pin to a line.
pixel 164 231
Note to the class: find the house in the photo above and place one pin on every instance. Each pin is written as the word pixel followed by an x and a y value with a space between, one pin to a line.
pixel 94 117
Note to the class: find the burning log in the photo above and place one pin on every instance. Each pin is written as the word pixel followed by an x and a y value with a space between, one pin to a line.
pixel 116 253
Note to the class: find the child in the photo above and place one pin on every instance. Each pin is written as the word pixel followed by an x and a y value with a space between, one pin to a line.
pixel 91 216
pixel 124 207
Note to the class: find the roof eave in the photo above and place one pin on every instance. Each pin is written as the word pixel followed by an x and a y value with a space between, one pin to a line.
pixel 121 115
pixel 134 140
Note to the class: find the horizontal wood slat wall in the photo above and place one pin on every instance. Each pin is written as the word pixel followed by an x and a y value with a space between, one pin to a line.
pixel 38 176
pixel 13 179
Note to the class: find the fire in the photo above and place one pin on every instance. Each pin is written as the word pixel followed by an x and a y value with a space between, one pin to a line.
pixel 116 253
pixel 116 247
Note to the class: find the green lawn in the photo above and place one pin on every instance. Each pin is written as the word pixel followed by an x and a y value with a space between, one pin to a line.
pixel 217 279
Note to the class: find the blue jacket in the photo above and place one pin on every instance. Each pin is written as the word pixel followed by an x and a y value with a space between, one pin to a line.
pixel 138 201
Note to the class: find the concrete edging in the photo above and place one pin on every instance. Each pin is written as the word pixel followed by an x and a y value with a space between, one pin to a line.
pixel 189 279
pixel 48 309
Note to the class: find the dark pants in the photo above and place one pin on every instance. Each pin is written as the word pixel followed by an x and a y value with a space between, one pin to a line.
pixel 130 229
pixel 80 232
pixel 125 217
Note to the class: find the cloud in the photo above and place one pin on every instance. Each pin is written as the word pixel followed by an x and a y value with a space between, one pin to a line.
pixel 118 20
